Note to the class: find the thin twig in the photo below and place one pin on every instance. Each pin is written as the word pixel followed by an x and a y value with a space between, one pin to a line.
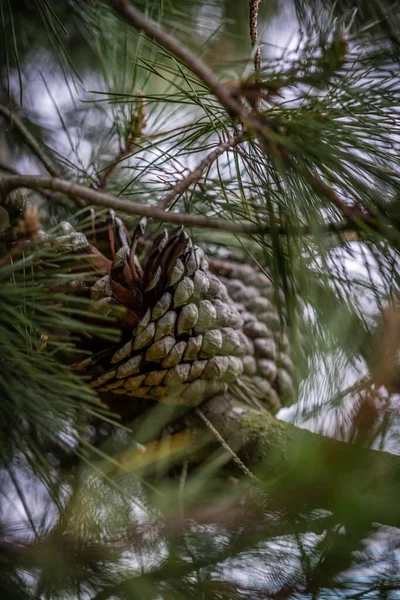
pixel 226 446
pixel 195 175
pixel 253 29
pixel 29 140
pixel 38 182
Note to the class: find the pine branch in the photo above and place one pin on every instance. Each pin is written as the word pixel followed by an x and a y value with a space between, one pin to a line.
pixel 224 93
pixel 302 470
pixel 227 95
pixel 9 183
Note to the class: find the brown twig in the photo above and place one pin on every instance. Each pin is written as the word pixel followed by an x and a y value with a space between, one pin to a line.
pixel 253 29
pixel 29 140
pixel 195 175
pixel 90 196
pixel 11 182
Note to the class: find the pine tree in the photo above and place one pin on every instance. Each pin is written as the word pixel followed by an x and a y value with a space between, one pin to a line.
pixel 145 451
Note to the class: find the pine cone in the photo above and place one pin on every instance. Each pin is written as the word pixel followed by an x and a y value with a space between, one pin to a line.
pixel 191 328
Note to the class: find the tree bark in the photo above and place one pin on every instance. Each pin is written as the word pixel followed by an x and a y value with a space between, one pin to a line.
pixel 300 470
